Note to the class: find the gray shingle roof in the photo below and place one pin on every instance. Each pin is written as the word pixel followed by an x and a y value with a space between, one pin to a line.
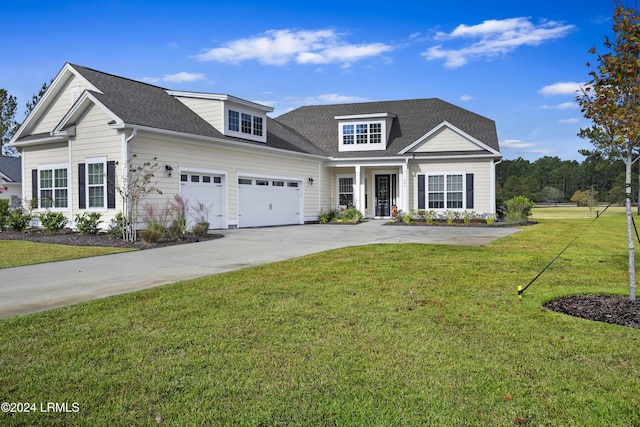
pixel 415 118
pixel 310 129
pixel 143 104
pixel 11 167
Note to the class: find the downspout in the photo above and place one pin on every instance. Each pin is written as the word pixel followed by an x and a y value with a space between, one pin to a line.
pixel 125 162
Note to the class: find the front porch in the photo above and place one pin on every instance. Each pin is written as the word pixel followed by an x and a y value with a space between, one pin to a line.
pixel 377 190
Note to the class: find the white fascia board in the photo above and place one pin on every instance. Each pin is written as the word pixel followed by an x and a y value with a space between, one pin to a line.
pixel 83 102
pixel 220 97
pixel 258 146
pixel 458 157
pixel 53 89
pixel 368 161
pixel 365 116
pixel 454 129
pixel 45 140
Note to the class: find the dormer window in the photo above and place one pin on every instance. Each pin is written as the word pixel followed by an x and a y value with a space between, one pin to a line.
pixel 245 123
pixel 364 132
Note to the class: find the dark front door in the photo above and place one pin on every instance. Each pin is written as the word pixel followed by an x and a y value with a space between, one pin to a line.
pixel 383 195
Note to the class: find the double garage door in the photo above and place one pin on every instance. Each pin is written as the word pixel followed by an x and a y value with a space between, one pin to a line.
pixel 261 201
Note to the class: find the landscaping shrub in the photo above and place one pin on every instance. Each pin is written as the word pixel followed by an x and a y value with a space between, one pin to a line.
pixel 200 229
pixel 88 222
pixel 178 210
pixel 518 210
pixel 116 226
pixel 19 219
pixel 4 213
pixel 153 233
pixel 335 216
pixel 53 221
pixel 327 217
pixel 351 216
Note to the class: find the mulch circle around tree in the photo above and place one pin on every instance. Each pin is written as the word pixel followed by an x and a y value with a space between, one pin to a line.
pixel 73 238
pixel 615 309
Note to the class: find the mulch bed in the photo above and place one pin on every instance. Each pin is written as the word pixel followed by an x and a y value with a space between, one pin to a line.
pixel 70 237
pixel 615 309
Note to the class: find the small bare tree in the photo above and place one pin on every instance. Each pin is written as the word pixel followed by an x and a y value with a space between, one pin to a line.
pixel 133 187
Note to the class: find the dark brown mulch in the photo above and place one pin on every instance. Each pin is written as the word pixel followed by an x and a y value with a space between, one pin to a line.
pixel 70 237
pixel 614 309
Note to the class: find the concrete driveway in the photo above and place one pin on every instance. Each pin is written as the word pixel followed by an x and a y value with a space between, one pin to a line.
pixel 40 287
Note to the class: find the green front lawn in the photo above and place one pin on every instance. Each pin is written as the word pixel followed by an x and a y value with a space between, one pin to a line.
pixel 15 253
pixel 382 335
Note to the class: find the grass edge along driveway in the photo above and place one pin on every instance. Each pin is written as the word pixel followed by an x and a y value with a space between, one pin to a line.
pixel 379 335
pixel 17 253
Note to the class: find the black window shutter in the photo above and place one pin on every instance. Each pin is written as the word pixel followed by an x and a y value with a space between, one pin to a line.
pixel 111 189
pixel 34 184
pixel 469 191
pixel 421 193
pixel 82 194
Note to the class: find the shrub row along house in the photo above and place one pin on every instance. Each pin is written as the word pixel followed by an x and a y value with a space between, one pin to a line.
pixel 247 168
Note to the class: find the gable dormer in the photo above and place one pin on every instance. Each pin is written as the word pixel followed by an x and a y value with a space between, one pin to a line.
pixel 231 116
pixel 364 132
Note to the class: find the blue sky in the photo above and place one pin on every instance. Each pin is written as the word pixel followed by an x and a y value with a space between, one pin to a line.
pixel 518 63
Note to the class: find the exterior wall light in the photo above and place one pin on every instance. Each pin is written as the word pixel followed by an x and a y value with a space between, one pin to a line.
pixel 169 169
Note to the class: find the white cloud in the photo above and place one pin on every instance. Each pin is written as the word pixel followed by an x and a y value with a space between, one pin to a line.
pixel 175 78
pixel 562 106
pixel 571 120
pixel 494 38
pixel 281 47
pixel 183 77
pixel 523 147
pixel 562 88
pixel 466 98
pixel 515 143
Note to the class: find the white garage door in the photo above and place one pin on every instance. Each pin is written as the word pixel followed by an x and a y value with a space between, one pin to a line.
pixel 263 202
pixel 204 192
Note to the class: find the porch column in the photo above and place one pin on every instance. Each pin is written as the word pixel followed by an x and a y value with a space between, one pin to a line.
pixel 405 187
pixel 357 193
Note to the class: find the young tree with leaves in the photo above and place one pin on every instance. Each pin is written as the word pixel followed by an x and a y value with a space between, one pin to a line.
pixel 611 99
pixel 8 124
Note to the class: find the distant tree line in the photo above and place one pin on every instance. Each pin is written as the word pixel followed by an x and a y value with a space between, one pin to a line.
pixel 552 180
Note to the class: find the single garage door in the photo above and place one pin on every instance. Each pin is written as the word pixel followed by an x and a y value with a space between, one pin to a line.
pixel 204 192
pixel 263 202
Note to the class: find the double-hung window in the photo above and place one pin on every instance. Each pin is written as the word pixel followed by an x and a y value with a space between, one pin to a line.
pixel 53 187
pixel 345 191
pixel 444 191
pixel 257 126
pixel 96 183
pixel 234 121
pixel 245 123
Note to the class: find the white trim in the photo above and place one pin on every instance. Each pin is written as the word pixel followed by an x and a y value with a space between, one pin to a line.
pixel 43 140
pixel 241 174
pixel 93 161
pixel 337 187
pixel 366 116
pixel 454 129
pixel 52 167
pixel 53 89
pixel 200 138
pixel 79 107
pixel 225 187
pixel 427 174
pixel 220 97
